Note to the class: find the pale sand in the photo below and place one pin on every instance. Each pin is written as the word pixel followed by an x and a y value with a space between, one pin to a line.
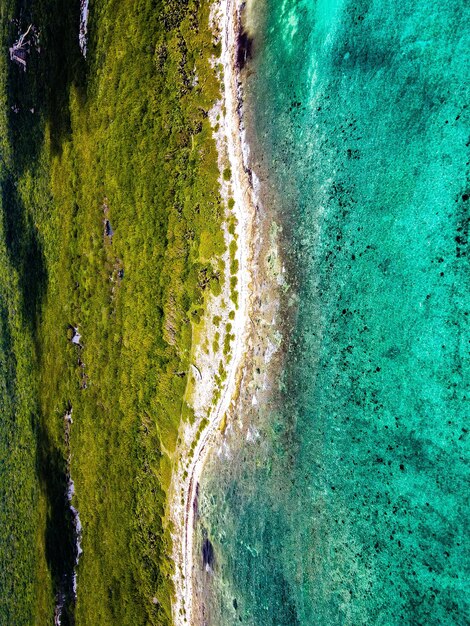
pixel 231 145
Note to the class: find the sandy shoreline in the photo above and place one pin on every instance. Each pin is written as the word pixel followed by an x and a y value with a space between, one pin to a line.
pixel 231 146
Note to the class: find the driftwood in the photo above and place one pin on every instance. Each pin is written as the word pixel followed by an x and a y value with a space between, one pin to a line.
pixel 195 367
pixel 19 50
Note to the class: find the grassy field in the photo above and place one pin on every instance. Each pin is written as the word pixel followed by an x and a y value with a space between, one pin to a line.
pixel 111 224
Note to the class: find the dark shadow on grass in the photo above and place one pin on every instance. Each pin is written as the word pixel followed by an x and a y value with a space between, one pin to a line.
pixel 25 253
pixel 60 539
pixel 38 98
pixel 41 94
pixel 7 369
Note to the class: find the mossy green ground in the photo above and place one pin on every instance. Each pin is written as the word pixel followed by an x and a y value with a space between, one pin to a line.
pixel 123 136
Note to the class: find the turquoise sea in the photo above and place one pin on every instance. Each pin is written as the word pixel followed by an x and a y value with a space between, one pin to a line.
pixel 349 504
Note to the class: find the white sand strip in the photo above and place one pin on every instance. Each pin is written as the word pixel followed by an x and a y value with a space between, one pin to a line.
pixel 232 145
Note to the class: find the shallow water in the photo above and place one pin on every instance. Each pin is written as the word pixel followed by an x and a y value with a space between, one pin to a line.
pixel 347 504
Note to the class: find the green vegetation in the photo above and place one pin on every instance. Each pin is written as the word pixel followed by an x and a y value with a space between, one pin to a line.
pixel 215 343
pixel 122 139
pixel 228 338
pixel 234 266
pixel 233 290
pixel 233 249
